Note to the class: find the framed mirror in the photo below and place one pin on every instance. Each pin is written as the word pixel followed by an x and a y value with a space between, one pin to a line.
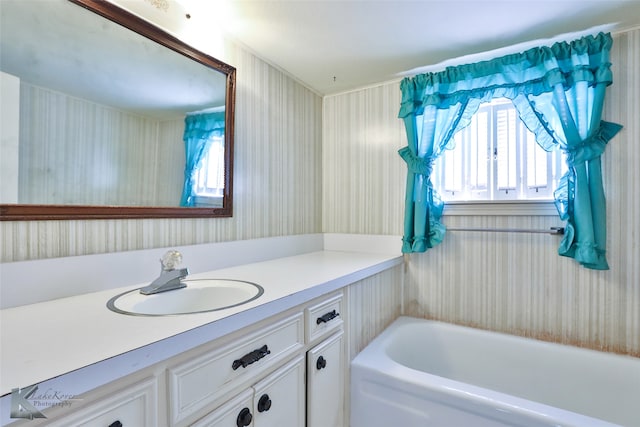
pixel 106 116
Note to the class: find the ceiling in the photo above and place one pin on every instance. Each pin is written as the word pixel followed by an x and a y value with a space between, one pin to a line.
pixel 330 46
pixel 109 64
pixel 338 45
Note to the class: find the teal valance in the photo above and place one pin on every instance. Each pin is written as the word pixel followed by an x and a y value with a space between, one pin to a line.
pixel 535 71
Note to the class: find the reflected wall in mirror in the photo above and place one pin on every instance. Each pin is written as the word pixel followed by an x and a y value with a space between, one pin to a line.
pixel 106 116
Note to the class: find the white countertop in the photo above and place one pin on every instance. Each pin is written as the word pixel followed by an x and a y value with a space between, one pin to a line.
pixel 79 341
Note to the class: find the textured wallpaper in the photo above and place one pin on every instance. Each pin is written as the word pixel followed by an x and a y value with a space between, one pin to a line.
pixel 133 160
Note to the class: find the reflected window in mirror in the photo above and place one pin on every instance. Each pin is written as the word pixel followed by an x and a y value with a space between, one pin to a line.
pixel 204 152
pixel 210 182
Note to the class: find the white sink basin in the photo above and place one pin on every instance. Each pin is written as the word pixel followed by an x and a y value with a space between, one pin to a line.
pixel 200 295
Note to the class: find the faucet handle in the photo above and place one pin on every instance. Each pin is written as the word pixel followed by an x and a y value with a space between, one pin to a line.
pixel 170 260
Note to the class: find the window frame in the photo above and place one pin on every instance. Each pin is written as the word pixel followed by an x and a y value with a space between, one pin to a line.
pixel 500 204
pixel 501 207
pixel 203 199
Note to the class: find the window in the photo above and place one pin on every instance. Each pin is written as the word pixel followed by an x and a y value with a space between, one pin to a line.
pixel 497 158
pixel 209 183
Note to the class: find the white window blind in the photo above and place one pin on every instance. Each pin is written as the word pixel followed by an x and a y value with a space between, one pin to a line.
pixel 209 184
pixel 497 158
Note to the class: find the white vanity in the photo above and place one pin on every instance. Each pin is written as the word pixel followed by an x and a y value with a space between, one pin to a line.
pixel 280 360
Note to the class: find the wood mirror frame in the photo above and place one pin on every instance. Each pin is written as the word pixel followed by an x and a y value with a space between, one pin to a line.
pixel 22 212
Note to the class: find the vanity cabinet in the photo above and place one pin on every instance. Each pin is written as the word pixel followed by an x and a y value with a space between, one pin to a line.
pixel 284 371
pixel 306 390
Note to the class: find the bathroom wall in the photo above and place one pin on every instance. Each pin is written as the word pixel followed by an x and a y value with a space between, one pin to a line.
pixel 134 161
pixel 277 179
pixel 9 134
pixel 514 283
pixel 372 304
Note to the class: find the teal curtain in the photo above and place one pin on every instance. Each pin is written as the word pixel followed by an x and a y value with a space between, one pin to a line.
pixel 429 133
pixel 199 131
pixel 559 92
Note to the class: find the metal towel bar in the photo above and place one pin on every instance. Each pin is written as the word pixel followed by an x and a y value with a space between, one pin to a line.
pixel 555 231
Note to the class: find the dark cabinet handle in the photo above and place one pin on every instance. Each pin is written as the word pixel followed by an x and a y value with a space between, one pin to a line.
pixel 264 404
pixel 244 418
pixel 327 317
pixel 116 423
pixel 321 363
pixel 249 358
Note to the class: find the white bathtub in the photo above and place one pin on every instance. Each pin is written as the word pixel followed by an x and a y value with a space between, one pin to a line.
pixel 421 373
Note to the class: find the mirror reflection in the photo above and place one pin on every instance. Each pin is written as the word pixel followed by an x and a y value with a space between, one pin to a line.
pixel 95 114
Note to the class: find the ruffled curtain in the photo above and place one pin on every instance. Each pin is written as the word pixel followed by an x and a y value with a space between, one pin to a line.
pixel 558 92
pixel 427 138
pixel 199 131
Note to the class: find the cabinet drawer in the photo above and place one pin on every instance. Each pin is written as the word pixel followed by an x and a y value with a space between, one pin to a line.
pixel 133 406
pixel 324 318
pixel 204 380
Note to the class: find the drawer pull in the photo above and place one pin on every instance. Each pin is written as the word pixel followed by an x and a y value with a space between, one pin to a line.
pixel 264 404
pixel 249 358
pixel 327 317
pixel 321 363
pixel 244 418
pixel 116 423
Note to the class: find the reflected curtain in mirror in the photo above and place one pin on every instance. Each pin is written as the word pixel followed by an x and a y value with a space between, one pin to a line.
pixel 201 131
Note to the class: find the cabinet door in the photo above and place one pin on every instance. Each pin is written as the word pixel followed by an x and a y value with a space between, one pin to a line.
pixel 279 399
pixel 325 383
pixel 235 413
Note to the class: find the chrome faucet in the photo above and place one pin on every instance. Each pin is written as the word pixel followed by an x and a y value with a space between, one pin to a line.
pixel 170 278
